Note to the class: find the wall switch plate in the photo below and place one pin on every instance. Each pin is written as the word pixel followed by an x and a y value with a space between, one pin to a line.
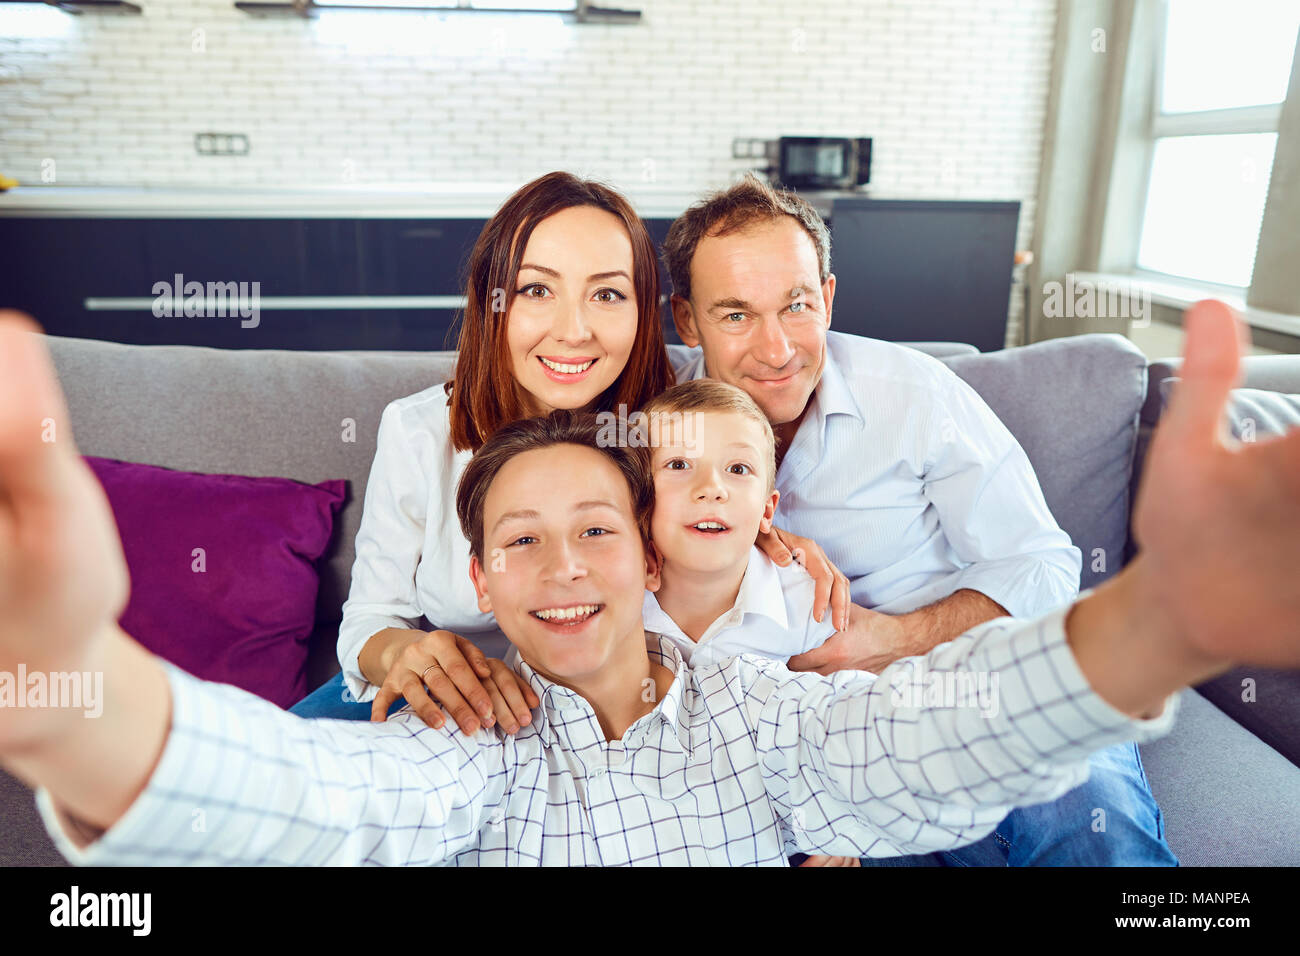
pixel 743 147
pixel 221 144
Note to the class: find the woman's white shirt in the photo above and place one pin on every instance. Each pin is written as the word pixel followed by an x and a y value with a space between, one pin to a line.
pixel 412 558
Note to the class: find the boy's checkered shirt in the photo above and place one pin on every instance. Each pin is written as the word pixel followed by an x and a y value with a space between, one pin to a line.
pixel 742 762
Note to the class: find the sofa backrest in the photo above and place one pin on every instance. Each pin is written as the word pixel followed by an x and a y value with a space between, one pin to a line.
pixel 1072 403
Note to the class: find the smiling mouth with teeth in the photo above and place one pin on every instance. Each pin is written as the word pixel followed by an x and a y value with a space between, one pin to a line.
pixel 567 615
pixel 710 527
pixel 566 368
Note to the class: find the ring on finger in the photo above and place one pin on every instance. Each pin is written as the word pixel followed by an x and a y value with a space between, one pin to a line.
pixel 426 671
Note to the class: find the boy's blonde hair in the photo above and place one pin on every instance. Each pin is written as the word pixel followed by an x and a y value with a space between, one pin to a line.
pixel 710 395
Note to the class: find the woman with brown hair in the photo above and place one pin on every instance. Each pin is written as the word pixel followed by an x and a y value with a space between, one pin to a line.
pixel 562 311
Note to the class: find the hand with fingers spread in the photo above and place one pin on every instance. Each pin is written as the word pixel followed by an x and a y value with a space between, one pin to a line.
pixel 439 667
pixel 832 586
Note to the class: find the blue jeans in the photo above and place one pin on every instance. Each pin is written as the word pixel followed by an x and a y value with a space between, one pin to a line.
pixel 1066 832
pixel 333 700
pixel 1069 831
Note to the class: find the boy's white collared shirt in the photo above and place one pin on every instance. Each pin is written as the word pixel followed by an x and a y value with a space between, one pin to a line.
pixel 772 617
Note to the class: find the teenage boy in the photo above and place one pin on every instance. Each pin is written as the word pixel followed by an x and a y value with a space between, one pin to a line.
pixel 633 756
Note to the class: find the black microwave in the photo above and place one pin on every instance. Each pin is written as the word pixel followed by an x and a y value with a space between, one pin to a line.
pixel 823 162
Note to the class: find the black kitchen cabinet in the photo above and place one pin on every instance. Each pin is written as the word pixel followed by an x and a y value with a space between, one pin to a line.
pixel 323 283
pixel 924 271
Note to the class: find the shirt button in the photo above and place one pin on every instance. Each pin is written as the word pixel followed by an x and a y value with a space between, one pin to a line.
pixel 598 772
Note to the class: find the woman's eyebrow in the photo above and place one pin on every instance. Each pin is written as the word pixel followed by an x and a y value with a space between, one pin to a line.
pixel 591 278
pixel 549 272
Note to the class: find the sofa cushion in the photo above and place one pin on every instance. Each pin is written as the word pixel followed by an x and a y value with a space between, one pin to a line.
pixel 223 575
pixel 1073 404
pixel 1227 798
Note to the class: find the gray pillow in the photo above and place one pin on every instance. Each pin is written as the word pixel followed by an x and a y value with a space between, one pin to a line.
pixel 1252 412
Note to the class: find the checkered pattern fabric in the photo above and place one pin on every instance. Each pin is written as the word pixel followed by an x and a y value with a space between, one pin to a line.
pixel 741 762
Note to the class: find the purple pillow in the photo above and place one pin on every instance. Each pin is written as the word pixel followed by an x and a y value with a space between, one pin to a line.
pixel 241 610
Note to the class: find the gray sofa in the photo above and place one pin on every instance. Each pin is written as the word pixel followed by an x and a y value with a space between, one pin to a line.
pixel 1081 407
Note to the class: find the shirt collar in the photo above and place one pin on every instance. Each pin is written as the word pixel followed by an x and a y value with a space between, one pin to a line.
pixel 832 396
pixel 760 592
pixel 672 710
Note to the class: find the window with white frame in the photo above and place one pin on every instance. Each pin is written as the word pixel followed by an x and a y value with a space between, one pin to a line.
pixel 1220 85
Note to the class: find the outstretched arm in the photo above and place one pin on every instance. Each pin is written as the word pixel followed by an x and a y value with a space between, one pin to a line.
pixel 63 582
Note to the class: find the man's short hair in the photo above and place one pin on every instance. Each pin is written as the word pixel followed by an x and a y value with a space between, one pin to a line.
pixel 710 395
pixel 561 427
pixel 748 202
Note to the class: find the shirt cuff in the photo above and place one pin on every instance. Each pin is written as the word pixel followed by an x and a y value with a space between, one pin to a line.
pixel 145 814
pixel 350 647
pixel 361 690
pixel 1027 587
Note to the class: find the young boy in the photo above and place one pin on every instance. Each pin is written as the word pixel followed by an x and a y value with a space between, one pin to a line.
pixel 713 462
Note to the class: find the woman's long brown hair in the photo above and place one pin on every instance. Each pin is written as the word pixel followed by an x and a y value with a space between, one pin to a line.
pixel 484 394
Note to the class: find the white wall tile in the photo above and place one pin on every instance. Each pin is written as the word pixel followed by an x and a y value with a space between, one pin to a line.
pixel 954 93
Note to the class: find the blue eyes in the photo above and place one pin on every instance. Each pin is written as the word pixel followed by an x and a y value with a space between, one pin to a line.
pixel 798 308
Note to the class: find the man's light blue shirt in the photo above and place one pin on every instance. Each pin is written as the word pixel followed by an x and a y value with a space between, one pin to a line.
pixel 914 488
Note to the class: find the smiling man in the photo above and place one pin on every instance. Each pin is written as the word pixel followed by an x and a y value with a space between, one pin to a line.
pixel 633 756
pixel 905 478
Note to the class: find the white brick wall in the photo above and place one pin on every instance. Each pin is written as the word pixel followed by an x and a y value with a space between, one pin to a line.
pixel 954 93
